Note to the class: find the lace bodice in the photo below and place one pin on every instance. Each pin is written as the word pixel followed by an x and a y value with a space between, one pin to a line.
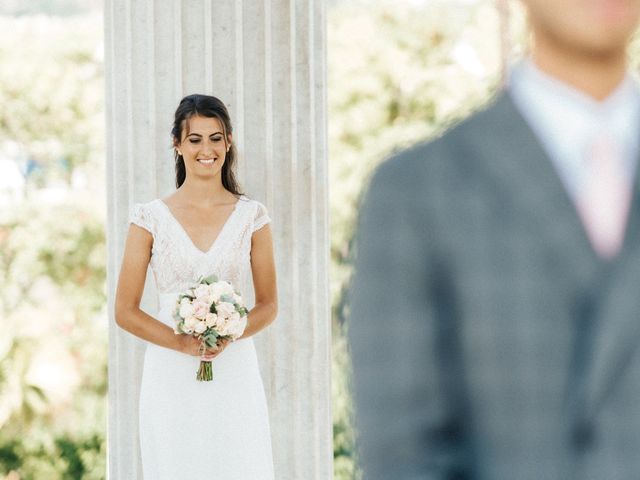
pixel 177 263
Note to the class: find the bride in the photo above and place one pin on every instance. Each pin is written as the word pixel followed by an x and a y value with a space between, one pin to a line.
pixel 190 429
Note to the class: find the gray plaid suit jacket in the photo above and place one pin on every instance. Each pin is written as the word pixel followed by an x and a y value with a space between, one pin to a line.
pixel 488 340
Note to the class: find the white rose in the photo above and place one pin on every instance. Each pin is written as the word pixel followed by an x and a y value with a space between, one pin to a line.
pixel 186 310
pixel 184 301
pixel 200 327
pixel 215 292
pixel 237 299
pixel 200 309
pixel 202 293
pixel 190 322
pixel 222 325
pixel 225 309
pixel 227 288
pixel 237 328
pixel 210 319
pixel 186 329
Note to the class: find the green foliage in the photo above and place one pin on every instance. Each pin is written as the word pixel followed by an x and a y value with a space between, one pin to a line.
pixel 52 103
pixel 64 458
pixel 397 74
pixel 70 253
pixel 53 347
pixel 344 454
pixel 53 355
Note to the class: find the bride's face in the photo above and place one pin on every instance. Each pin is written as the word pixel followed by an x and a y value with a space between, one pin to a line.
pixel 203 146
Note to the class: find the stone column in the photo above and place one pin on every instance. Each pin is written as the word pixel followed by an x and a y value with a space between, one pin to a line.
pixel 266 59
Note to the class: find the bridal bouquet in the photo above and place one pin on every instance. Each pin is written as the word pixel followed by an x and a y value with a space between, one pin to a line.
pixel 211 311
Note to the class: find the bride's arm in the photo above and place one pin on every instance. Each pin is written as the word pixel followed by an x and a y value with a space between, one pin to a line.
pixel 129 316
pixel 263 271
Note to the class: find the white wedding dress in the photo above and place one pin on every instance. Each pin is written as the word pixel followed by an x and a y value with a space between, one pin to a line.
pixel 192 430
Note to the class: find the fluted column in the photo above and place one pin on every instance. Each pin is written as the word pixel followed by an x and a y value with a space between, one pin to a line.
pixel 266 60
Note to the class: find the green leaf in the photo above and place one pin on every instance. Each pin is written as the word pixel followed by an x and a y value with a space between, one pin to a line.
pixel 209 280
pixel 226 298
pixel 211 338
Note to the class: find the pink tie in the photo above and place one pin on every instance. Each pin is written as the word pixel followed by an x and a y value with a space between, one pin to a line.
pixel 603 201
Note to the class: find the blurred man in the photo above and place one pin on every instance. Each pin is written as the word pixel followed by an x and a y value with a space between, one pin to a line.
pixel 496 304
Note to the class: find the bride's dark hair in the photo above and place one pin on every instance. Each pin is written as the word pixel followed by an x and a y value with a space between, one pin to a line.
pixel 212 107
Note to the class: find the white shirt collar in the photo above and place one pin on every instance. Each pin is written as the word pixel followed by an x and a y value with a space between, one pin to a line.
pixel 566 119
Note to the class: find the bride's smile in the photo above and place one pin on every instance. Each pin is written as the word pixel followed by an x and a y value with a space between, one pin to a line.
pixel 207 161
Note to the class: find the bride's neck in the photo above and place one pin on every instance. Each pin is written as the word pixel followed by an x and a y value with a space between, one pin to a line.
pixel 203 192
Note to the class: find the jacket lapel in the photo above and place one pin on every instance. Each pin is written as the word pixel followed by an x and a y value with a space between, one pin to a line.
pixel 519 164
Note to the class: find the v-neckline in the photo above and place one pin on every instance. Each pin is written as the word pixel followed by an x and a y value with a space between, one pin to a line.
pixel 184 231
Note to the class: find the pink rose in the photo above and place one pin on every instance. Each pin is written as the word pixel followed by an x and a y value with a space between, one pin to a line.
pixel 200 309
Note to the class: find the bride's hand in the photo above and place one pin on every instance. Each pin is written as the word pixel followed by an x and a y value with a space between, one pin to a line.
pixel 222 344
pixel 190 345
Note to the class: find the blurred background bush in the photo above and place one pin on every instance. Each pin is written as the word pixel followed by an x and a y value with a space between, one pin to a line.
pixel 398 71
pixel 53 335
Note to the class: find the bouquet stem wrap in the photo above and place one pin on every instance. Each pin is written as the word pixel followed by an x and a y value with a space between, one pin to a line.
pixel 205 372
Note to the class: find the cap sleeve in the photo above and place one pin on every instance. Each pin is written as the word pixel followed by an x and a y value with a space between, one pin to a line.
pixel 141 216
pixel 261 218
